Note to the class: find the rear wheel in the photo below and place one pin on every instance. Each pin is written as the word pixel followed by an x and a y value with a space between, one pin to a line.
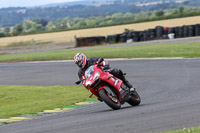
pixel 110 99
pixel 135 99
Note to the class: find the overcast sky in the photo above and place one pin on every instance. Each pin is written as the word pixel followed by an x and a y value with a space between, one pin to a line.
pixel 23 3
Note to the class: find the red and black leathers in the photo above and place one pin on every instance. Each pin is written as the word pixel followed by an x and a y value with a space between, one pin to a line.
pixel 90 62
pixel 116 72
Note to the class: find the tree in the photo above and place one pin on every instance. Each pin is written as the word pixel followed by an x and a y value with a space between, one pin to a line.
pixel 31 26
pixel 17 29
pixel 50 26
pixel 91 22
pixel 81 24
pixel 40 21
pixel 27 25
pixel 160 13
pixel 181 10
pixel 2 35
pixel 141 16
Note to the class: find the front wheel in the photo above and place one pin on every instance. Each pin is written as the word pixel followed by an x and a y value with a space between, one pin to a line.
pixel 134 99
pixel 110 99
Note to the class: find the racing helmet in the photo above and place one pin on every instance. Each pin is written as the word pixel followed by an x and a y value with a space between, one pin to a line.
pixel 80 59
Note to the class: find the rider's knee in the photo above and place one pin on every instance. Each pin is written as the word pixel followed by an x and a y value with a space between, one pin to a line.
pixel 117 72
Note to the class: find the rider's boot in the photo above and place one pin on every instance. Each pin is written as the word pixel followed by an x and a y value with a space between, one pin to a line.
pixel 127 83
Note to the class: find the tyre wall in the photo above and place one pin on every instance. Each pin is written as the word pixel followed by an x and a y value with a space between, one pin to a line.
pixel 159 32
pixel 90 41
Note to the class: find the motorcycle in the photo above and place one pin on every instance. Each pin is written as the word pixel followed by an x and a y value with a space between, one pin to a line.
pixel 108 88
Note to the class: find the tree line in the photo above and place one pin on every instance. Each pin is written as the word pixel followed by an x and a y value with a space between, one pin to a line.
pixel 68 23
pixel 12 16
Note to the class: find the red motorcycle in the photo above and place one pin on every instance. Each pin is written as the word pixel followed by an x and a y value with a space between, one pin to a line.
pixel 108 88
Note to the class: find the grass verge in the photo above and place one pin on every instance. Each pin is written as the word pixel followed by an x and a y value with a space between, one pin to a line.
pixel 186 50
pixel 19 100
pixel 22 44
pixel 185 130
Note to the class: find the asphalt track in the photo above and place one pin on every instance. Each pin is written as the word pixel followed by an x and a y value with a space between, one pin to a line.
pixel 169 90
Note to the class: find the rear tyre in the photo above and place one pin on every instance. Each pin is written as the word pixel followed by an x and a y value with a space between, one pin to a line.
pixel 135 99
pixel 111 100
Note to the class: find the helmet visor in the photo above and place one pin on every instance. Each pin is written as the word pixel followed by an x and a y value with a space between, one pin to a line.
pixel 79 63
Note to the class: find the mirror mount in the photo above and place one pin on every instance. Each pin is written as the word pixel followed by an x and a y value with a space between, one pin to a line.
pixel 78 82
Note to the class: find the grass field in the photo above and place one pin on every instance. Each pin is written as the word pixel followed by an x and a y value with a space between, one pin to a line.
pixel 185 50
pixel 185 130
pixel 69 35
pixel 19 100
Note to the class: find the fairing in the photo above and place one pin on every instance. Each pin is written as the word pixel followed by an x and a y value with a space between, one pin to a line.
pixel 104 77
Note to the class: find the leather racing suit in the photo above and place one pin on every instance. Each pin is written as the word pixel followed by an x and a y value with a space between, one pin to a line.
pixel 116 72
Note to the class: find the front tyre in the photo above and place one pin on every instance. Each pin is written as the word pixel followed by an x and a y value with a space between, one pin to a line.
pixel 134 99
pixel 110 99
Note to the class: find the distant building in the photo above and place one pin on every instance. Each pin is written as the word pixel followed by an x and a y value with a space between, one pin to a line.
pixel 68 25
pixel 146 3
pixel 22 11
pixel 1 29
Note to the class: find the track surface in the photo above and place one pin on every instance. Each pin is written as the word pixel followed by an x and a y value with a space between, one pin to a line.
pixel 169 91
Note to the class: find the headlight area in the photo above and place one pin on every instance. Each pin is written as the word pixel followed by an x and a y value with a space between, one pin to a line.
pixel 88 83
pixel 96 76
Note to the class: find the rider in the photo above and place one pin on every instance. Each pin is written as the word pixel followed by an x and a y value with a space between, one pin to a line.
pixel 83 63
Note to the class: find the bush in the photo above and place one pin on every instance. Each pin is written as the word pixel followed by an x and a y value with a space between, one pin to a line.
pixel 2 35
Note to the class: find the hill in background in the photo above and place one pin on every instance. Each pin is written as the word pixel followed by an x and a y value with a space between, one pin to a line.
pixel 52 12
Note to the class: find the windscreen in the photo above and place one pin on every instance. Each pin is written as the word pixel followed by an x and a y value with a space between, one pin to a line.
pixel 89 72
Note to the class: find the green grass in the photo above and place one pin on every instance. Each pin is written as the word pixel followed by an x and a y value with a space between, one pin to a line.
pixel 186 50
pixel 19 100
pixel 185 130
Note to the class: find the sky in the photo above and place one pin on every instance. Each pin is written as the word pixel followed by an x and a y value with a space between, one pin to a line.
pixel 28 3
